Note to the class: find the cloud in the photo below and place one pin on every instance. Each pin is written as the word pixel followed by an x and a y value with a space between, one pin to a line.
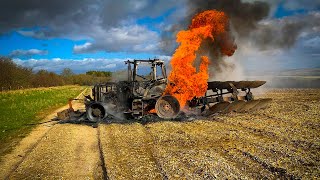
pixel 35 34
pixel 27 53
pixel 284 32
pixel 112 25
pixel 127 38
pixel 82 48
pixel 305 4
pixel 313 42
pixel 108 25
pixel 78 66
pixel 290 5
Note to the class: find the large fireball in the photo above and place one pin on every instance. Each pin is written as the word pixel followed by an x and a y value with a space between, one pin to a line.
pixel 186 81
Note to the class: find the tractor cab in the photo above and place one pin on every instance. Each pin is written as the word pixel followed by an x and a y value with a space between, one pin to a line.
pixel 148 77
pixel 140 94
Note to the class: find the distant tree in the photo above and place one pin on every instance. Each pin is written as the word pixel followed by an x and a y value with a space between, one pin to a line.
pixel 6 70
pixel 67 72
pixel 55 79
pixel 100 73
pixel 13 75
pixel 46 79
pixel 68 76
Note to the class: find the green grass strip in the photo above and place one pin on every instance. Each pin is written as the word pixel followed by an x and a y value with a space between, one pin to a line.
pixel 22 107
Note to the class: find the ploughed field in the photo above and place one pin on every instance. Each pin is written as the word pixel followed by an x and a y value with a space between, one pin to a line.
pixel 282 141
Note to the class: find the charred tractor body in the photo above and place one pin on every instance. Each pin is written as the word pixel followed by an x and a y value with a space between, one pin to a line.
pixel 140 94
pixel 143 93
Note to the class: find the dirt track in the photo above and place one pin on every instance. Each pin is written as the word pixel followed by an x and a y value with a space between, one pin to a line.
pixel 279 142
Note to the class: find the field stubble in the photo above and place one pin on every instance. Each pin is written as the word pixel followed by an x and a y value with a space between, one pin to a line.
pixel 279 142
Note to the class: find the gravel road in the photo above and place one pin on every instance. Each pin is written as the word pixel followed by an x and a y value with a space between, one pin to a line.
pixel 55 151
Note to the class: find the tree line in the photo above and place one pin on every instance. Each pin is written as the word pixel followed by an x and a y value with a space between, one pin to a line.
pixel 13 76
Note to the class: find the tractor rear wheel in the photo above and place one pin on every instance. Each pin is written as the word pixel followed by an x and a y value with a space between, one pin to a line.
pixel 167 107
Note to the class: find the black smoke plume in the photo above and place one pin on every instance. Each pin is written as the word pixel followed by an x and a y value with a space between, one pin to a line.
pixel 243 16
pixel 251 23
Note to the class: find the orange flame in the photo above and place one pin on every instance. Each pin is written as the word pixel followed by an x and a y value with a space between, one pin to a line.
pixel 152 111
pixel 185 82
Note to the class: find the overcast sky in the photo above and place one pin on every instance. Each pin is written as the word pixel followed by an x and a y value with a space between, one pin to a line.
pixel 100 34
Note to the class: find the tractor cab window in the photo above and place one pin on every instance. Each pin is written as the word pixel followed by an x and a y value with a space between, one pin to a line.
pixel 144 72
pixel 159 73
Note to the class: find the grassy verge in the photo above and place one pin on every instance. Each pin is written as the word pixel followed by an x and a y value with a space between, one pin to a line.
pixel 22 107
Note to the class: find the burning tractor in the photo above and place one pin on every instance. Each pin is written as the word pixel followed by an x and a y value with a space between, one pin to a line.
pixel 143 93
